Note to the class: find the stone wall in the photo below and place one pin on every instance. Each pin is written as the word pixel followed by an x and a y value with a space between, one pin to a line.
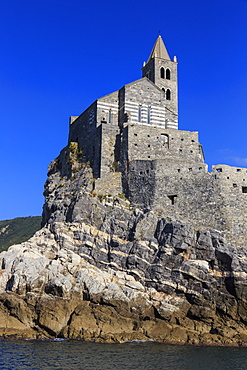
pixel 85 132
pixel 216 200
pixel 145 142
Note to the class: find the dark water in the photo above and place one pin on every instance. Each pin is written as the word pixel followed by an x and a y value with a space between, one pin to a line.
pixel 74 355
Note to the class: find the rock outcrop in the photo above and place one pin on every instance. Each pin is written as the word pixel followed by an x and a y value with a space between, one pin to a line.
pixel 101 270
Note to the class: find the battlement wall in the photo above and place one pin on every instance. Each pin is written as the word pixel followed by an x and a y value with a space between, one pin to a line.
pixel 196 196
pixel 225 172
pixel 150 143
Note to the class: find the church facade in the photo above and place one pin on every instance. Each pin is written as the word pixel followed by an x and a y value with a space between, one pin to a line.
pixel 132 141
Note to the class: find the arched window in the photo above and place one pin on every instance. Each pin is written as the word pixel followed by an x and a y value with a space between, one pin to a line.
pixel 165 140
pixel 162 72
pixel 168 74
pixel 168 94
pixel 163 90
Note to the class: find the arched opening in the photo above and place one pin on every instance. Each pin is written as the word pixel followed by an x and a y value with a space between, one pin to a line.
pixel 163 90
pixel 168 94
pixel 165 140
pixel 162 72
pixel 168 74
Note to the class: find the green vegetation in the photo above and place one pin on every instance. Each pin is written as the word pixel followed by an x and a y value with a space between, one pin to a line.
pixel 18 230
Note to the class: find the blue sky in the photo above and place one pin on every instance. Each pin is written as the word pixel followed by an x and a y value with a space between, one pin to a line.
pixel 58 56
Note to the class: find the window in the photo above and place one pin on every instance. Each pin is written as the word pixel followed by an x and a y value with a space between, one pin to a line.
pixel 162 72
pixel 168 94
pixel 139 113
pixel 168 74
pixel 244 189
pixel 149 115
pixel 219 169
pixel 234 185
pixel 173 199
pixel 109 116
pixel 165 140
pixel 163 89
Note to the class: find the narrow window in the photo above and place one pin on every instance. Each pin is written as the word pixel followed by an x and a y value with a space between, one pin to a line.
pixel 139 113
pixel 162 72
pixel 168 94
pixel 149 115
pixel 163 89
pixel 168 74
pixel 173 199
pixel 165 140
pixel 109 116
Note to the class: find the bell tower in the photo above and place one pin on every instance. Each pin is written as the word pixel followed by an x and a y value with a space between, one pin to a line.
pixel 162 71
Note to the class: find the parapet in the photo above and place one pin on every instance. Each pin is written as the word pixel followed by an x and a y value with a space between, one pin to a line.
pixel 225 172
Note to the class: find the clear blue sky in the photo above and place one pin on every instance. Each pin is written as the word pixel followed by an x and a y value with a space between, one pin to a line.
pixel 58 56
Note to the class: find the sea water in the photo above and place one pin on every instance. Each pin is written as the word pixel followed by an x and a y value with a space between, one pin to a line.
pixel 74 355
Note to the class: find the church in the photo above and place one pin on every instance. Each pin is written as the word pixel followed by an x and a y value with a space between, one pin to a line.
pixel 132 141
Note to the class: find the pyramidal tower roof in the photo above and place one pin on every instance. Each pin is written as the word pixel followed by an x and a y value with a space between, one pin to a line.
pixel 159 50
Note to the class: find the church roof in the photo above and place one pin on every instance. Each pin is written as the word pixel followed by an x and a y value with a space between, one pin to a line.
pixel 159 50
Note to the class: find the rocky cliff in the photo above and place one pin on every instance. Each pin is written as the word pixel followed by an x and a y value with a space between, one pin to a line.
pixel 101 270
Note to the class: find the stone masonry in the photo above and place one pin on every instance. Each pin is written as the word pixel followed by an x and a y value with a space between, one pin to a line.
pixel 132 141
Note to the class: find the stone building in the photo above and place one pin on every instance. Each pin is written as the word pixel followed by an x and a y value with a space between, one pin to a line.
pixel 134 146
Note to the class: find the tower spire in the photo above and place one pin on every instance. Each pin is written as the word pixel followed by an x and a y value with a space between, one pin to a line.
pixel 159 50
